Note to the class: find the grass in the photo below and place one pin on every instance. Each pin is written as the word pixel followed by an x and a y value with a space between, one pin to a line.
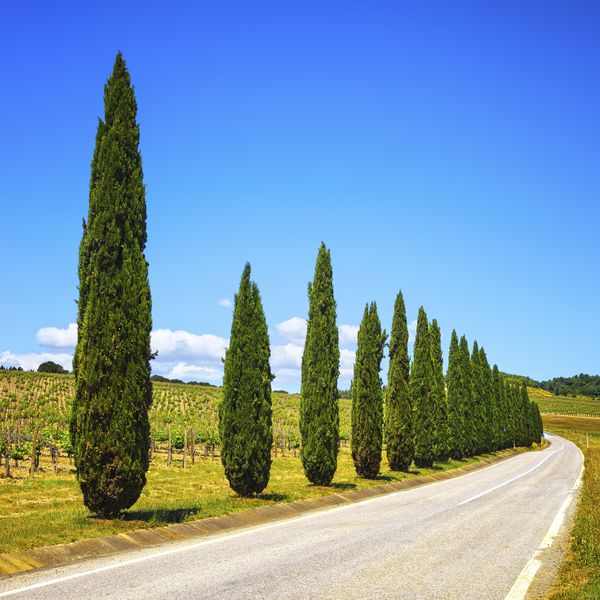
pixel 48 510
pixel 568 405
pixel 579 577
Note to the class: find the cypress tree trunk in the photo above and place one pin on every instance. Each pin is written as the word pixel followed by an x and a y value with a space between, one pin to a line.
pixel 422 394
pixel 367 396
pixel 319 410
pixel 110 430
pixel 245 417
pixel 441 448
pixel 399 437
pixel 456 401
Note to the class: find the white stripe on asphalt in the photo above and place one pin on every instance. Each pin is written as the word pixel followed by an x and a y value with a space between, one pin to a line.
pixel 520 587
pixel 496 487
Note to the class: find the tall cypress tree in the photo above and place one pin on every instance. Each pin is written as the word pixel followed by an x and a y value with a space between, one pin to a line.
pixel 441 448
pixel 109 427
pixel 466 371
pixel 399 438
pixel 319 409
pixel 422 394
pixel 367 396
pixel 245 417
pixel 487 400
pixel 499 410
pixel 520 432
pixel 479 424
pixel 528 424
pixel 456 401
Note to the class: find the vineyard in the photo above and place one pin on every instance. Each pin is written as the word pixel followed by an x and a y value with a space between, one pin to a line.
pixel 35 410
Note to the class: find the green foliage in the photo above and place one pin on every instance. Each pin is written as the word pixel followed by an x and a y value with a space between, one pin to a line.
pixel 478 402
pixel 582 384
pixel 245 416
pixel 367 396
pixel 441 443
pixel 457 402
pixel 319 412
pixel 109 425
pixel 501 411
pixel 468 391
pixel 51 367
pixel 399 439
pixel 422 394
pixel 490 434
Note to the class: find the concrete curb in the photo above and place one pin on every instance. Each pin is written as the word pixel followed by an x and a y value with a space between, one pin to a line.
pixel 20 561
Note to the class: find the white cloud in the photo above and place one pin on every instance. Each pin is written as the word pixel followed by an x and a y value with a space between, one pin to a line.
pixel 32 360
pixel 57 337
pixel 188 372
pixel 288 356
pixel 348 334
pixel 225 302
pixel 347 358
pixel 293 329
pixel 188 347
pixel 412 332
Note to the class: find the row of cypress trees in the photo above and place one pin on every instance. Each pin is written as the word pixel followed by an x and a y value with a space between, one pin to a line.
pixel 421 421
pixel 422 416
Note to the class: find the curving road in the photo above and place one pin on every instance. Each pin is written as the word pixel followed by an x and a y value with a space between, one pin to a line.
pixel 483 535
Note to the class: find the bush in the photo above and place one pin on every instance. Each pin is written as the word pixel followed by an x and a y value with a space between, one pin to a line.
pixel 51 367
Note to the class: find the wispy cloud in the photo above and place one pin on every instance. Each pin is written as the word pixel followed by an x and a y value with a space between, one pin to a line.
pixel 56 337
pixel 348 334
pixel 225 302
pixel 293 329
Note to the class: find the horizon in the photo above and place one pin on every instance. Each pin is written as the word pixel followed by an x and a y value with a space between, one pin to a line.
pixel 449 154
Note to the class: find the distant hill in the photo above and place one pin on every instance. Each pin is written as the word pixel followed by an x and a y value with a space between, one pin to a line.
pixel 578 385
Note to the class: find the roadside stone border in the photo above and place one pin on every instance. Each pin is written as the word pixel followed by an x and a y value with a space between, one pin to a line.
pixel 12 563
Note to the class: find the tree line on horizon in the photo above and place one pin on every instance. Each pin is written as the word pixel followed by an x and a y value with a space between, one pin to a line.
pixel 422 417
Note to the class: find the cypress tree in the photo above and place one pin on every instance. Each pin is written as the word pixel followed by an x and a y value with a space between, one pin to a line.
pixel 109 426
pixel 529 429
pixel 520 431
pixel 245 418
pixel 487 401
pixel 456 401
pixel 319 410
pixel 539 425
pixel 478 400
pixel 499 410
pixel 398 410
pixel 422 394
pixel 440 441
pixel 367 396
pixel 470 425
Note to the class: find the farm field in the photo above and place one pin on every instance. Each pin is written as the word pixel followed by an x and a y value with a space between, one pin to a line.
pixel 579 577
pixel 38 405
pixel 568 405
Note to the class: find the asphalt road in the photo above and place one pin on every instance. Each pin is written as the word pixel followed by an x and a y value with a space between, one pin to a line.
pixel 465 538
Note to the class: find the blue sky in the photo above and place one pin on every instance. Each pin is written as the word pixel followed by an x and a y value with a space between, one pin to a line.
pixel 447 149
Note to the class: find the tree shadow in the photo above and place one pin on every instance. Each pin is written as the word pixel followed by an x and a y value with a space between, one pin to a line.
pixel 273 497
pixel 342 486
pixel 161 515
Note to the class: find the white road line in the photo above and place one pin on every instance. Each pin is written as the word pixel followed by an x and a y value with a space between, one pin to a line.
pixel 228 536
pixel 520 587
pixel 496 487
